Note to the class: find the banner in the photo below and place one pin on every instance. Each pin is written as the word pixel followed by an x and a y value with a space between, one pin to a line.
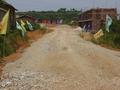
pixel 108 23
pixel 29 25
pixel 4 23
pixel 23 26
pixel 98 34
pixel 18 26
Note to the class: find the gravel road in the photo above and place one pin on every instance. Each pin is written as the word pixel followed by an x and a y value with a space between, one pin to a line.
pixel 62 60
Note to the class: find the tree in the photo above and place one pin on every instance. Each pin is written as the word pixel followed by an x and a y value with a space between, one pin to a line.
pixel 62 10
pixel 1 1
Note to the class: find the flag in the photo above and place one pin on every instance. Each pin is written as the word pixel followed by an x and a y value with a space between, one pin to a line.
pixel 4 23
pixel 18 26
pixel 98 34
pixel 108 22
pixel 22 23
pixel 23 26
pixel 29 25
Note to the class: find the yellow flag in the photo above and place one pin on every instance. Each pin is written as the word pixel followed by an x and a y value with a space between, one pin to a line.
pixel 22 23
pixel 23 26
pixel 4 23
pixel 98 34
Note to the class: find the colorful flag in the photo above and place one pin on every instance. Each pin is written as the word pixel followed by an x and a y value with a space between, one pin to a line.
pixel 23 26
pixel 18 26
pixel 108 22
pixel 29 25
pixel 98 34
pixel 22 23
pixel 4 23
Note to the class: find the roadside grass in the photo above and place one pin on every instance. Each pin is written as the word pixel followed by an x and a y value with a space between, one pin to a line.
pixel 112 38
pixel 13 40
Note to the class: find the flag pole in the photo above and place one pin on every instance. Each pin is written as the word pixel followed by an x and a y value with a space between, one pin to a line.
pixel 3 52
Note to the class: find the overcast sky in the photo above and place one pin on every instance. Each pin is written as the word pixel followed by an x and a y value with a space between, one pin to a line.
pixel 39 5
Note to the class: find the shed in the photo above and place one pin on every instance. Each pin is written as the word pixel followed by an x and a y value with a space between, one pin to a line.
pixel 4 7
pixel 94 19
pixel 27 17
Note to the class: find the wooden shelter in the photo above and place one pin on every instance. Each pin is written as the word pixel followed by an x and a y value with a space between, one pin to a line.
pixel 4 7
pixel 93 19
pixel 27 17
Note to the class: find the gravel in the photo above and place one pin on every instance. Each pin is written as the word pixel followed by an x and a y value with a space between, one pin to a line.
pixel 61 60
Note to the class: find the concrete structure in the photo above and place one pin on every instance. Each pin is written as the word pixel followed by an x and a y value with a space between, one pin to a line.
pixel 4 7
pixel 93 19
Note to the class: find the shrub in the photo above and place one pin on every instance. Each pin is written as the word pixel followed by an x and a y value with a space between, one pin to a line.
pixel 111 38
pixel 35 26
pixel 43 27
pixel 11 43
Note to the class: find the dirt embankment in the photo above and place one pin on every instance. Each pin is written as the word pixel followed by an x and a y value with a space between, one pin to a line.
pixel 32 37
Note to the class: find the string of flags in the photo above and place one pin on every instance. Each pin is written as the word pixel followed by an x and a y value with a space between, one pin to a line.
pixel 4 25
pixel 21 26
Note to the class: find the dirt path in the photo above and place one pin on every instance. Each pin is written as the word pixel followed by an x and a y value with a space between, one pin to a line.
pixel 61 60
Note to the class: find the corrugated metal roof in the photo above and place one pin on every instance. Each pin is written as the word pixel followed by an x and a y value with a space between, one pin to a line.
pixel 6 3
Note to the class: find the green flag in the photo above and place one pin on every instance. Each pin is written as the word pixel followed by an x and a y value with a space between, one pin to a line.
pixel 108 23
pixel 29 25
pixel 18 26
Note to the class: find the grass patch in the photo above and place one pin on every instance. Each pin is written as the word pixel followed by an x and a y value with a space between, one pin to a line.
pixel 11 42
pixel 112 38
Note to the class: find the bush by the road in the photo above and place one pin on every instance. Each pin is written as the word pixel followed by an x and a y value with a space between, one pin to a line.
pixel 11 42
pixel 111 38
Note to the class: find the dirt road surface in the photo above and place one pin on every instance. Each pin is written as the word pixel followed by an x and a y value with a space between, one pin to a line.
pixel 61 60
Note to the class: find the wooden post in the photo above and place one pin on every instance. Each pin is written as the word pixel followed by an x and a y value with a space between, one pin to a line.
pixel 3 51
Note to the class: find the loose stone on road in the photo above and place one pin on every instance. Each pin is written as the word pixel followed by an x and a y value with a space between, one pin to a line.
pixel 62 60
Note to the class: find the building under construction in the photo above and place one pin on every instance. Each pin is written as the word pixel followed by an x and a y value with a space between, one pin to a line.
pixel 93 19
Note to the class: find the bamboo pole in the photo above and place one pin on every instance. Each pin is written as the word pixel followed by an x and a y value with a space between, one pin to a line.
pixel 3 51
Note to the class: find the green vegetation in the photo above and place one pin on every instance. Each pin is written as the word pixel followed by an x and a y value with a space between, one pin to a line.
pixel 1 1
pixel 111 38
pixel 62 13
pixel 37 27
pixel 11 42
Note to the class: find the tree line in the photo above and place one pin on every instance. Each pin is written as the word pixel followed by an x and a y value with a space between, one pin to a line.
pixel 63 13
